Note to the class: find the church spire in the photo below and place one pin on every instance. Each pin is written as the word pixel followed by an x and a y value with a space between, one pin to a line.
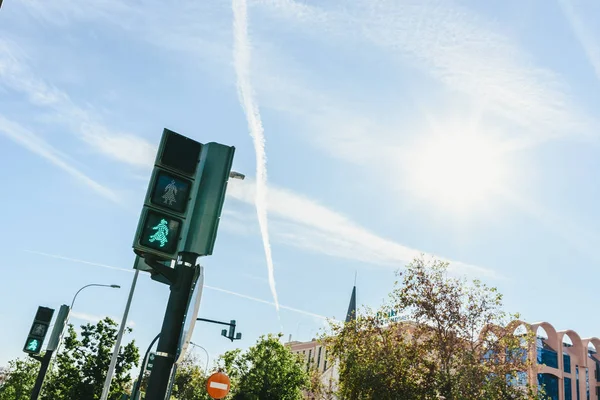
pixel 351 315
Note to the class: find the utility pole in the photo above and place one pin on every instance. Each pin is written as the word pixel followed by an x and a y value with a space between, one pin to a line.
pixel 39 381
pixel 115 355
pixel 179 221
pixel 184 273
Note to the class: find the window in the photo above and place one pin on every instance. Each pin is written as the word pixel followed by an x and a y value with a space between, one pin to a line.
pixel 568 389
pixel 550 384
pixel 545 354
pixel 577 381
pixel 325 362
pixel 567 362
pixel 319 357
pixel 309 359
pixel 587 384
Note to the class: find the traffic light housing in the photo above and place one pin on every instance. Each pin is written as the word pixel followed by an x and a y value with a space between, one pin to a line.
pixel 184 199
pixel 168 201
pixel 231 335
pixel 215 166
pixel 38 331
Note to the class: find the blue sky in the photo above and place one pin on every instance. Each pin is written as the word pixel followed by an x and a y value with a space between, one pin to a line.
pixel 465 130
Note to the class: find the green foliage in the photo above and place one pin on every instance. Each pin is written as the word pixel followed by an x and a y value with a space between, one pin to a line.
pixel 82 365
pixel 20 380
pixel 438 350
pixel 266 371
pixel 190 381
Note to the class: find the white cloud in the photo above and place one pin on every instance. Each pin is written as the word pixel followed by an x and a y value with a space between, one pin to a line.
pixel 303 223
pixel 256 299
pixel 241 57
pixel 94 319
pixel 461 49
pixel 588 33
pixel 16 75
pixel 39 146
pixel 86 317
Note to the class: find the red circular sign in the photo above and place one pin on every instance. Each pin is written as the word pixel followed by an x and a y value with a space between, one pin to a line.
pixel 217 385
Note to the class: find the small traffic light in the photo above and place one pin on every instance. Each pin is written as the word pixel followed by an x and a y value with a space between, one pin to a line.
pixel 231 335
pixel 231 329
pixel 39 328
pixel 167 202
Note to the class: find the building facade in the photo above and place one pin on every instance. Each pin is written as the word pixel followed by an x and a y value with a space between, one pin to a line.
pixel 567 366
pixel 564 364
pixel 3 375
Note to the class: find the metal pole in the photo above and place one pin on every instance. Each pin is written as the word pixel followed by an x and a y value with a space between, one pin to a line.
pixel 115 355
pixel 62 334
pixel 138 384
pixel 45 360
pixel 172 382
pixel 170 334
pixel 207 356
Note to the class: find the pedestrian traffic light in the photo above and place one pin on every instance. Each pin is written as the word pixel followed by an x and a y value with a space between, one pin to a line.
pixel 167 203
pixel 38 330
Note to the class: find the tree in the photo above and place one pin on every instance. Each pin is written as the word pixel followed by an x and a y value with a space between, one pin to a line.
pixel 452 343
pixel 83 364
pixel 266 371
pixel 20 379
pixel 190 380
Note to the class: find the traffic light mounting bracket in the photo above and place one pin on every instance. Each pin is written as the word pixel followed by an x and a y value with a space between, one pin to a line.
pixel 231 336
pixel 158 267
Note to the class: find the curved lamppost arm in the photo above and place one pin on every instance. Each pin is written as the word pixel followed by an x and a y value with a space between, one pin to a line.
pixel 207 356
pixel 87 286
pixel 62 334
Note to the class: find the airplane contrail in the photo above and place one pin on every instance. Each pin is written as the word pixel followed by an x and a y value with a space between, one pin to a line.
pixel 241 57
pixel 214 288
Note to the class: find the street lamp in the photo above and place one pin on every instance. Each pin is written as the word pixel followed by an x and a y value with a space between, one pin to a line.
pixel 73 302
pixel 237 175
pixel 207 356
pixel 86 286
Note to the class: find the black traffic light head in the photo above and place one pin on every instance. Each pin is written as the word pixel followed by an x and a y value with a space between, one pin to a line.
pixel 167 204
pixel 38 331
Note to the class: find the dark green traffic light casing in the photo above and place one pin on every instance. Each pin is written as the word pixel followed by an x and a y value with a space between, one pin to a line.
pixel 168 200
pixel 184 199
pixel 38 331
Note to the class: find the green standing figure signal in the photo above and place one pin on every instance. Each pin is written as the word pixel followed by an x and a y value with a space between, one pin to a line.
pixel 170 193
pixel 162 231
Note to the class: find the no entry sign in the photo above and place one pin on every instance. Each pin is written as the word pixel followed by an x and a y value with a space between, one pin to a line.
pixel 217 385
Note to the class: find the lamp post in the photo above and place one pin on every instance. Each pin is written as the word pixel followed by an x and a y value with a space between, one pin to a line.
pixel 73 302
pixel 90 285
pixel 207 356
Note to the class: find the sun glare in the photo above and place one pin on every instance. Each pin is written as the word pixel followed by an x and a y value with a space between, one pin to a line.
pixel 461 171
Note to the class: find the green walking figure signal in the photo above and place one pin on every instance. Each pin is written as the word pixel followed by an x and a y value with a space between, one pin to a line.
pixel 33 346
pixel 162 231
